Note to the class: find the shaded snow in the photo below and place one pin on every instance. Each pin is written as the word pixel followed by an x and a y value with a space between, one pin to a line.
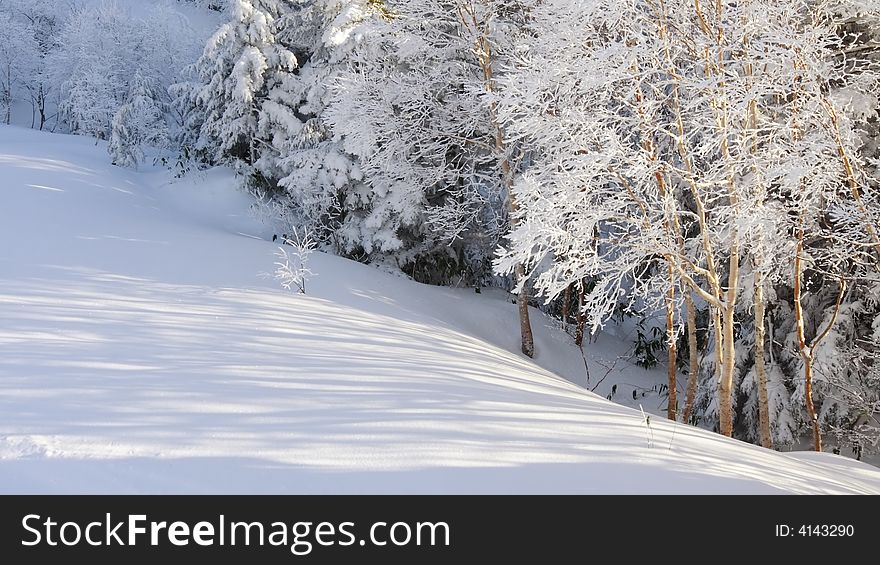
pixel 143 349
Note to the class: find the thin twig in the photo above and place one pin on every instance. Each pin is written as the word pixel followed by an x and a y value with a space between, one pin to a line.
pixel 608 372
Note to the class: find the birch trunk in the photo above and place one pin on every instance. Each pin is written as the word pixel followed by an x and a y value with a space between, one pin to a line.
pixel 718 330
pixel 808 351
pixel 728 363
pixel 672 361
pixel 694 359
pixel 805 351
pixel 486 58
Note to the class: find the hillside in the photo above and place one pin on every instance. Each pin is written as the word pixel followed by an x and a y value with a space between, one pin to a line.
pixel 144 349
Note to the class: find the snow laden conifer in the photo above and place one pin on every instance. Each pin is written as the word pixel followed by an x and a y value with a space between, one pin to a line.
pixel 241 62
pixel 418 109
pixel 413 107
pixel 139 123
pixel 304 154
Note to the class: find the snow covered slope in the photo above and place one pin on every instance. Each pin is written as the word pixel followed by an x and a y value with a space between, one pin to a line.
pixel 144 350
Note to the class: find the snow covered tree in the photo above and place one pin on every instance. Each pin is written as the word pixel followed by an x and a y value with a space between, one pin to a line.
pixel 168 44
pixel 91 67
pixel 292 267
pixel 170 48
pixel 832 232
pixel 304 153
pixel 89 103
pixel 674 141
pixel 138 123
pixel 242 61
pixel 418 109
pixel 847 361
pixel 43 17
pixel 19 59
pixel 100 47
pixel 848 369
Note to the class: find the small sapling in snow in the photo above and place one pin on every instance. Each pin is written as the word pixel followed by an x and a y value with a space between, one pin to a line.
pixel 291 268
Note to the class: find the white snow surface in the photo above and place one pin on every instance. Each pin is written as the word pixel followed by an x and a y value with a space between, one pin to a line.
pixel 144 349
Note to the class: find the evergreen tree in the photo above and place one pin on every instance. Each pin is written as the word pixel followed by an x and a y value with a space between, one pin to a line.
pixel 307 157
pixel 419 110
pixel 241 63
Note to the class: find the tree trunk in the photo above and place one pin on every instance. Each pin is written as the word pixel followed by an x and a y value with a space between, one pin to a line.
pixel 811 407
pixel 672 361
pixel 694 359
pixel 805 351
pixel 8 95
pixel 760 366
pixel 566 306
pixel 525 326
pixel 41 105
pixel 728 364
pixel 726 389
pixel 808 352
pixel 718 332
pixel 580 319
pixel 485 56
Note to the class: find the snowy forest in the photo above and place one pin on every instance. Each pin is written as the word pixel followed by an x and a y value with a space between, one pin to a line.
pixel 706 170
